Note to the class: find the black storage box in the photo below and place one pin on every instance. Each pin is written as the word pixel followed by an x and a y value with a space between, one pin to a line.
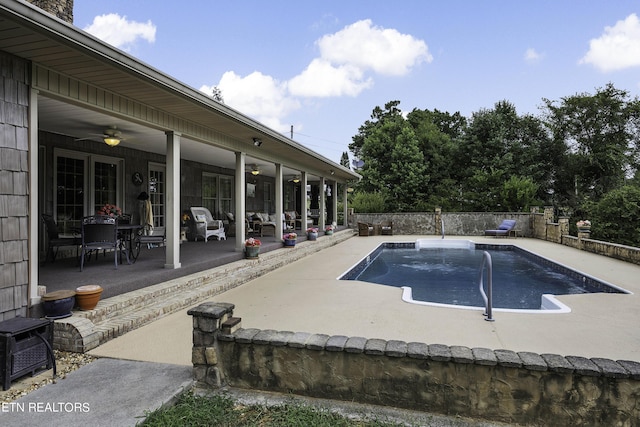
pixel 25 346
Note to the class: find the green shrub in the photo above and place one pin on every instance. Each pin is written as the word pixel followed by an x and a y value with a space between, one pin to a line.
pixel 616 217
pixel 368 202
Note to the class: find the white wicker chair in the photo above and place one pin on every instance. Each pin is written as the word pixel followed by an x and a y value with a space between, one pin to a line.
pixel 205 226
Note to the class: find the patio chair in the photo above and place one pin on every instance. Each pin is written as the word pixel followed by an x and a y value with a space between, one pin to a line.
pixel 505 228
pixel 297 222
pixel 203 225
pixel 386 228
pixel 55 242
pixel 365 229
pixel 155 238
pixel 100 232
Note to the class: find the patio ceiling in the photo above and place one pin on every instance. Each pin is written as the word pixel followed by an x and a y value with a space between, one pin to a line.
pixel 29 33
pixel 67 119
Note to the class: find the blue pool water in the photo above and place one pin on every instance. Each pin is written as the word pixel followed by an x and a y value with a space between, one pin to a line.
pixel 450 275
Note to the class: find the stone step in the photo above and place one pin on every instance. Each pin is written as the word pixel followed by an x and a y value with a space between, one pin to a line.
pixel 118 315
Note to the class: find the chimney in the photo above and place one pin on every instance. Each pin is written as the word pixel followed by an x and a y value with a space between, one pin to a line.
pixel 62 9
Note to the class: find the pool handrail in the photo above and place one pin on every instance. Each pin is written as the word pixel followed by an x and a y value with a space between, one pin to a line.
pixel 487 297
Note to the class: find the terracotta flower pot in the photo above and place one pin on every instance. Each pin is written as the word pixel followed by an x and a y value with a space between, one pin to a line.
pixel 87 296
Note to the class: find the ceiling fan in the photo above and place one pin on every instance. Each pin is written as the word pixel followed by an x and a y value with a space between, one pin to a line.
pixel 254 169
pixel 295 179
pixel 111 136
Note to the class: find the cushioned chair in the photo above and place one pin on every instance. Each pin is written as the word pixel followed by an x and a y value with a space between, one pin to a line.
pixel 365 229
pixel 55 242
pixel 203 225
pixel 504 229
pixel 386 228
pixel 262 223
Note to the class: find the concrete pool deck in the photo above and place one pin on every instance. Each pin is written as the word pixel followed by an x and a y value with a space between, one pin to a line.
pixel 305 296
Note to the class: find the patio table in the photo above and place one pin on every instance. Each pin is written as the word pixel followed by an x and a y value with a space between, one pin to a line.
pixel 127 233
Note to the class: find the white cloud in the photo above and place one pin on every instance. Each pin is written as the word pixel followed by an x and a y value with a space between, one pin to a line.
pixel 257 95
pixel 532 56
pixel 322 79
pixel 345 65
pixel 385 51
pixel 617 48
pixel 119 32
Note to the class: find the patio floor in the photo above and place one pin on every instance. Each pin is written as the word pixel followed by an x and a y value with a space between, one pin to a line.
pixel 305 296
pixel 147 270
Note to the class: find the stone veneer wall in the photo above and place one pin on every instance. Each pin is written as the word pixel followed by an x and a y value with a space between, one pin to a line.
pixel 14 186
pixel 455 223
pixel 613 250
pixel 62 9
pixel 498 385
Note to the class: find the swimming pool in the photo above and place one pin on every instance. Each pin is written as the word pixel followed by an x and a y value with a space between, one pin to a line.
pixel 445 273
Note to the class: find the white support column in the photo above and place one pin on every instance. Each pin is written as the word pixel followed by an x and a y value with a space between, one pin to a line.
pixel 240 201
pixel 323 205
pixel 345 208
pixel 334 204
pixel 279 201
pixel 303 201
pixel 34 223
pixel 172 201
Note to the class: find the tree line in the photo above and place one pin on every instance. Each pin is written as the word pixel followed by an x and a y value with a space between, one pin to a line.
pixel 580 155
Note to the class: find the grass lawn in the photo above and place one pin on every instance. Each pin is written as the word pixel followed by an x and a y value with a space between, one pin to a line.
pixel 220 410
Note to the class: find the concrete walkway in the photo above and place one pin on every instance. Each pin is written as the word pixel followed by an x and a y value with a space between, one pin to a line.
pixel 306 297
pixel 148 366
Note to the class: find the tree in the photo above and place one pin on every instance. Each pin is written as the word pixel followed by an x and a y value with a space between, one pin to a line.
pixel 518 193
pixel 601 134
pixel 437 133
pixel 616 217
pixel 497 145
pixel 393 162
pixel 344 160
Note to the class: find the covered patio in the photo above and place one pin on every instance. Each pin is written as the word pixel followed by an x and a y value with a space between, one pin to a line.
pixel 149 267
pixel 88 125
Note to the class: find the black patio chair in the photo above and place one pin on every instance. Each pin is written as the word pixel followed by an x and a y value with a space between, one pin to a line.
pixel 54 241
pixel 100 232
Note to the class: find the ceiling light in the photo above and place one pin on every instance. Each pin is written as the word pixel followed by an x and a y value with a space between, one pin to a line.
pixel 296 179
pixel 111 141
pixel 257 142
pixel 255 170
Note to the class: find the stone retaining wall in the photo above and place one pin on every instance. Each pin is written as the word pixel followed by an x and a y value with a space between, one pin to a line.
pixel 500 385
pixel 613 250
pixel 455 223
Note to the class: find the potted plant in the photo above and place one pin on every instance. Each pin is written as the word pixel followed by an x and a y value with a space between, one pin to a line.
pixel 290 239
pixel 110 210
pixel 252 248
pixel 312 233
pixel 328 230
pixel 584 225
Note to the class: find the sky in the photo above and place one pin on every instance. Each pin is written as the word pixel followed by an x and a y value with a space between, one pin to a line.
pixel 322 67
